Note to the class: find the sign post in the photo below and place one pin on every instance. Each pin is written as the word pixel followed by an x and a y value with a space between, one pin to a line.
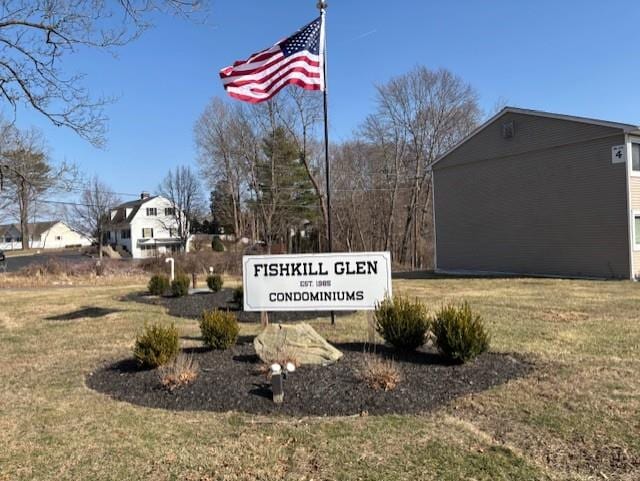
pixel 316 282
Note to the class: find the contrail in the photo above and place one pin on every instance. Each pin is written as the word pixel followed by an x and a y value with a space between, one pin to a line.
pixel 366 34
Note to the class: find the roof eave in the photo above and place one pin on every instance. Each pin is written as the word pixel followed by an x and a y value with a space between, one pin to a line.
pixel 625 128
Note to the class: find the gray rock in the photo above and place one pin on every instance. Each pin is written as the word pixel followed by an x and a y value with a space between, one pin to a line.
pixel 299 342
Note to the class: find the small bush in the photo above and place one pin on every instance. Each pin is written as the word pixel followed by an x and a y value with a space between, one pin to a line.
pixel 219 329
pixel 459 333
pixel 217 245
pixel 380 373
pixel 157 345
pixel 181 371
pixel 215 282
pixel 159 285
pixel 180 286
pixel 238 296
pixel 402 323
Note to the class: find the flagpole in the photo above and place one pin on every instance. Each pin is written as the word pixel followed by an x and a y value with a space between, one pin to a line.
pixel 322 6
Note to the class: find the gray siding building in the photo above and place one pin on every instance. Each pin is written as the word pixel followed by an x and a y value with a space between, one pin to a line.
pixel 532 192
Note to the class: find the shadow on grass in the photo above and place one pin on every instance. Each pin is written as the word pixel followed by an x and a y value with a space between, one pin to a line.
pixel 426 275
pixel 91 312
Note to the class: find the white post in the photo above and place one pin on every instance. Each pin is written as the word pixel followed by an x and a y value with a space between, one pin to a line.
pixel 170 259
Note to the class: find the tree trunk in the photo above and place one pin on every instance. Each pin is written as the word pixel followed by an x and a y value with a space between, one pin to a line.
pixel 24 215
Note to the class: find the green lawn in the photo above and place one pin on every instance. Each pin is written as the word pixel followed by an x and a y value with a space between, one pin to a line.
pixel 576 417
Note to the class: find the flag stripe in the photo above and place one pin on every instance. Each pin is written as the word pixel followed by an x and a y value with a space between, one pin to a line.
pixel 313 60
pixel 254 100
pixel 264 75
pixel 265 86
pixel 268 92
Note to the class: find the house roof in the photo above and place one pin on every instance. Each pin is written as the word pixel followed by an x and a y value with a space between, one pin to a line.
pixel 625 128
pixel 121 214
pixel 34 228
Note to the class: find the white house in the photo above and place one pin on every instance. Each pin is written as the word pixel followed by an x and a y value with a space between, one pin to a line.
pixel 42 235
pixel 143 228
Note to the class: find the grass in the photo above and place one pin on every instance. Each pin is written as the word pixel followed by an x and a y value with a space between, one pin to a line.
pixel 576 418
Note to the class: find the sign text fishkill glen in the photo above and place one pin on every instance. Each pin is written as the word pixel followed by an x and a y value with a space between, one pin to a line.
pixel 316 282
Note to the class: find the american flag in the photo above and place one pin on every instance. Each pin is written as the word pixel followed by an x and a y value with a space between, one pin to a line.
pixel 296 60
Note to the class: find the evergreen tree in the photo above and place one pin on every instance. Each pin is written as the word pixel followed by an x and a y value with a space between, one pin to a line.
pixel 284 190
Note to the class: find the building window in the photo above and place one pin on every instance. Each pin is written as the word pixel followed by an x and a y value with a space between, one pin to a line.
pixel 172 232
pixel 147 232
pixel 125 234
pixel 152 211
pixel 635 157
pixel 169 211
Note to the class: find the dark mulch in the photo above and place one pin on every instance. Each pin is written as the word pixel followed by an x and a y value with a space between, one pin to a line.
pixel 229 381
pixel 192 306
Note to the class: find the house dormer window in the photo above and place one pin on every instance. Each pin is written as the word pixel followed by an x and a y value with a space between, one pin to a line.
pixel 152 211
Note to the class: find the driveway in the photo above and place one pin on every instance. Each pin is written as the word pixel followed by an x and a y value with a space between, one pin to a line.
pixel 14 264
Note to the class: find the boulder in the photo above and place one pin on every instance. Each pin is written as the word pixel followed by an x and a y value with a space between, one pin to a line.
pixel 278 343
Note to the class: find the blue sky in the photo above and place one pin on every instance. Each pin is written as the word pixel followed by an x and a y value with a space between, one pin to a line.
pixel 574 57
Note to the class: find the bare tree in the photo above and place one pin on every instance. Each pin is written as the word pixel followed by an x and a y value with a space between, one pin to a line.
pixel 218 133
pixel 182 188
pixel 37 35
pixel 428 111
pixel 91 213
pixel 29 175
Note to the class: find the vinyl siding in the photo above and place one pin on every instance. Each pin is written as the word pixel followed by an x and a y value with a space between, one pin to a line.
pixel 634 205
pixel 549 201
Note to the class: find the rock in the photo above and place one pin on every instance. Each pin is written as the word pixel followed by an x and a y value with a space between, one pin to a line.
pixel 299 342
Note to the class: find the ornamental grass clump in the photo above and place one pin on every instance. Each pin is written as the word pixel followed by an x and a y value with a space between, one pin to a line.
pixel 181 371
pixel 157 345
pixel 159 285
pixel 180 286
pixel 219 329
pixel 459 333
pixel 215 282
pixel 379 373
pixel 401 322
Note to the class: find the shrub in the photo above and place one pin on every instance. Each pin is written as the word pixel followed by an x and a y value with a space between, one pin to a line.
pixel 157 345
pixel 181 371
pixel 238 296
pixel 402 323
pixel 215 282
pixel 159 285
pixel 219 329
pixel 217 245
pixel 380 373
pixel 180 286
pixel 459 333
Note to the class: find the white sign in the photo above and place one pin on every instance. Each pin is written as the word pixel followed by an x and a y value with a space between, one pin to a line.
pixel 618 154
pixel 316 282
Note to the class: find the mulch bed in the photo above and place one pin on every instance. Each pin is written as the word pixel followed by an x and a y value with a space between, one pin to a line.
pixel 229 381
pixel 192 306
